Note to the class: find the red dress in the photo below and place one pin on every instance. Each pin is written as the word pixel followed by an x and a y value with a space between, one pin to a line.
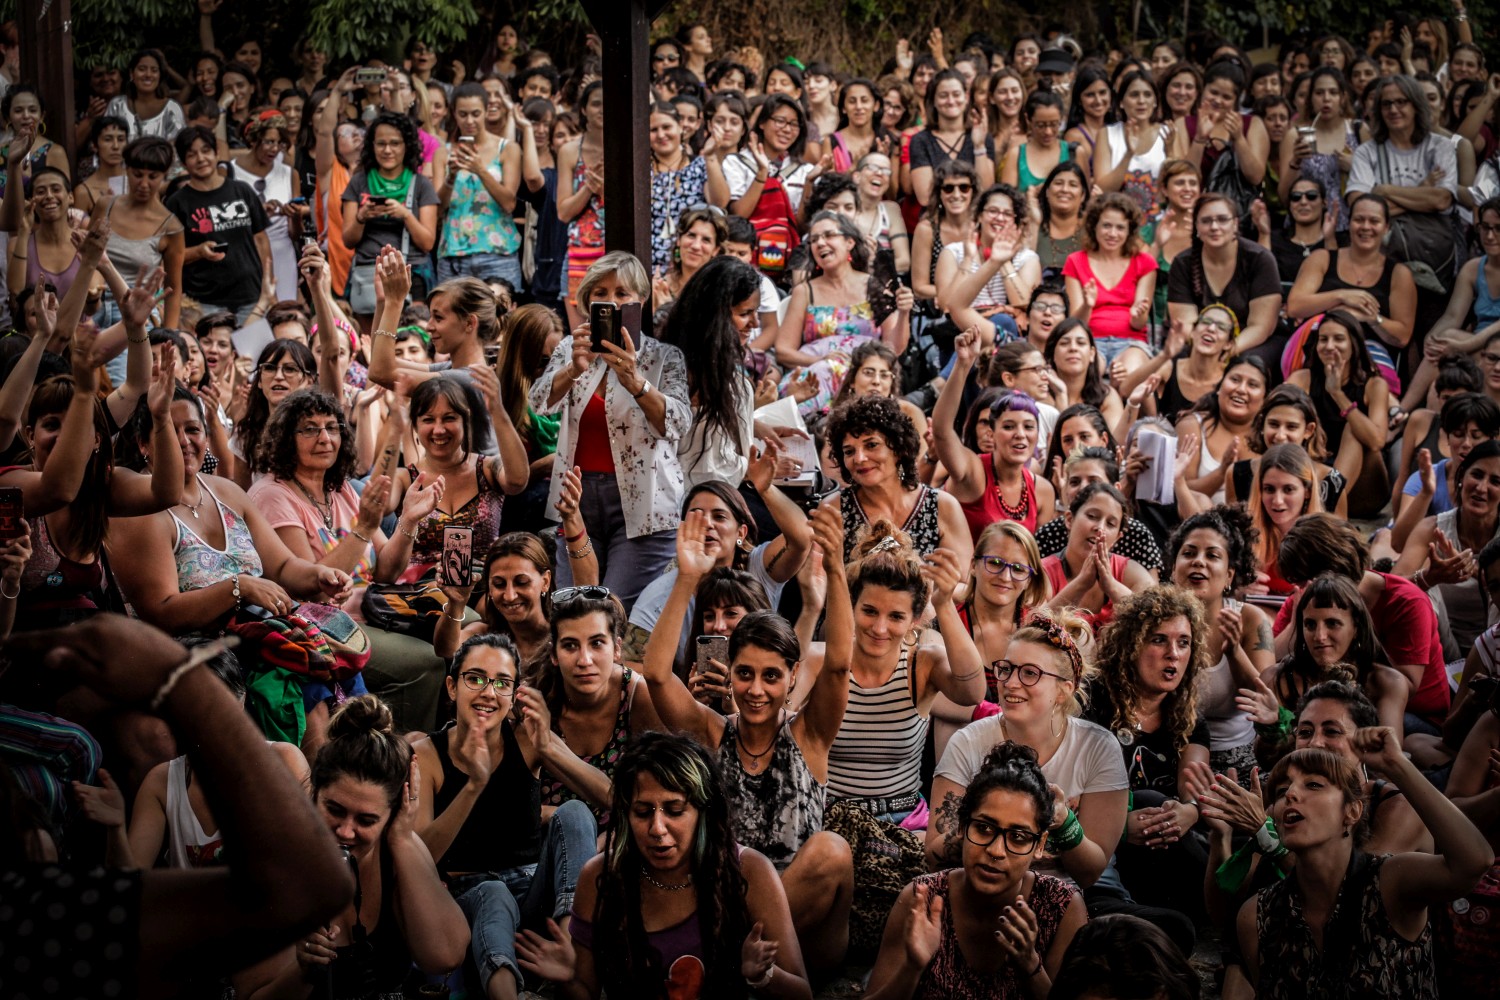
pixel 989 508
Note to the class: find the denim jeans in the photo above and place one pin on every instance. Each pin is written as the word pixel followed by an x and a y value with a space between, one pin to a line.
pixel 1110 348
pixel 498 904
pixel 626 564
pixel 484 266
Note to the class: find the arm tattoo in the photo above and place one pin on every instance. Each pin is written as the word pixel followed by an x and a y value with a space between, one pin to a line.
pixel 1264 638
pixel 946 818
pixel 383 466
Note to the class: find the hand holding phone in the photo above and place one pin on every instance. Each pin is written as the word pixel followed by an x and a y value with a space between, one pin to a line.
pixel 11 513
pixel 604 325
pixel 457 566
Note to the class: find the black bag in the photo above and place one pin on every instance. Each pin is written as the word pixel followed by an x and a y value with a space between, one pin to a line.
pixel 1428 243
pixel 1225 178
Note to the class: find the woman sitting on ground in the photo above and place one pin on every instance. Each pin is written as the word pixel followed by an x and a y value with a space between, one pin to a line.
pixel 672 830
pixel 366 787
pixel 1288 417
pixel 774 765
pixel 1025 920
pixel 1088 575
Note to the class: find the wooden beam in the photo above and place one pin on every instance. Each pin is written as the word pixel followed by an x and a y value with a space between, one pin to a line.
pixel 47 61
pixel 624 27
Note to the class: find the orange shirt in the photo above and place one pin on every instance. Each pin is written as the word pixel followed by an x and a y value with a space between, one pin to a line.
pixel 328 210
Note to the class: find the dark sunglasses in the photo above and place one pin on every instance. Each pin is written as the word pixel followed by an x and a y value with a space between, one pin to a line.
pixel 1297 196
pixel 961 188
pixel 566 594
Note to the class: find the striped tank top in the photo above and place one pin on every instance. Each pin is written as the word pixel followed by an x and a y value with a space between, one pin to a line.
pixel 878 750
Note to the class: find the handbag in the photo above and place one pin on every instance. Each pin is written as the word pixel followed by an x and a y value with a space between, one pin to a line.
pixel 1226 178
pixel 404 608
pixel 1426 242
pixel 362 289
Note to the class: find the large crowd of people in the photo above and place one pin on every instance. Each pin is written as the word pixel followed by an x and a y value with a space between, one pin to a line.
pixel 933 566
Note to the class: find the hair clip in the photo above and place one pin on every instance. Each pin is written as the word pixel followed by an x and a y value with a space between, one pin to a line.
pixel 885 544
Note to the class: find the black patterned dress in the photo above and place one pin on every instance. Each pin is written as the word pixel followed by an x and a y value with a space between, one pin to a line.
pixel 777 810
pixel 1362 958
pixel 922 526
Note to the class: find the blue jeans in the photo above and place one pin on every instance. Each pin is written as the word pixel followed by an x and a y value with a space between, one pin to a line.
pixel 626 564
pixel 241 313
pixel 498 904
pixel 484 266
pixel 1110 348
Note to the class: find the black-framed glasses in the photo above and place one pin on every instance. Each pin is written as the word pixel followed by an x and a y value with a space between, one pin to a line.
pixel 995 566
pixel 1297 196
pixel 1018 839
pixel 476 682
pixel 1030 674
pixel 592 593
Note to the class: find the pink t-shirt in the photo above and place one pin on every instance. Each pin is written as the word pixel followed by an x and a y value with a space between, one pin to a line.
pixel 284 506
pixel 1111 315
pixel 1407 627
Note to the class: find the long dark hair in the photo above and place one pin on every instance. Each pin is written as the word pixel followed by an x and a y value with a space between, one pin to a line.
pixel 247 432
pixel 1361 366
pixel 89 510
pixel 952 170
pixel 547 675
pixel 1208 404
pixel 1089 412
pixel 682 765
pixel 877 126
pixel 1065 167
pixel 1088 75
pixel 522 358
pixel 524 545
pixel 1095 392
pixel 1329 590
pixel 701 327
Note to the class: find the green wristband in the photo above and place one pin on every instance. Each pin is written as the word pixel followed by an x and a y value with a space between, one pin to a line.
pixel 1067 835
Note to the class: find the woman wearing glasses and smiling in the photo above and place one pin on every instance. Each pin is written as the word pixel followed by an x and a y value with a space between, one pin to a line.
pixel 1025 920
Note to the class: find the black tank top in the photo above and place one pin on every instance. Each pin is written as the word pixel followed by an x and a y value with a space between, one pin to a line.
pixel 378 961
pixel 1381 290
pixel 504 830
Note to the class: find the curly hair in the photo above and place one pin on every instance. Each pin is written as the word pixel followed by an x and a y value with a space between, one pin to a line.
pixel 1126 206
pixel 878 415
pixel 1120 645
pixel 624 955
pixel 277 453
pixel 412 154
pixel 1232 524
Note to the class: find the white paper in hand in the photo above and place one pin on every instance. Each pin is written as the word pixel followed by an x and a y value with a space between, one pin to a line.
pixel 1155 483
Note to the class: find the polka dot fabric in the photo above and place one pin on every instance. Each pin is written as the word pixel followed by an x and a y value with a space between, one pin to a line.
pixel 68 934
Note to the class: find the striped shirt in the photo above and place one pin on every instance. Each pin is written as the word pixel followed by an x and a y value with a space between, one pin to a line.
pixel 878 750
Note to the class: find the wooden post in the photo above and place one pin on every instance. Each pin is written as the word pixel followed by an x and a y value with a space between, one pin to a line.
pixel 47 61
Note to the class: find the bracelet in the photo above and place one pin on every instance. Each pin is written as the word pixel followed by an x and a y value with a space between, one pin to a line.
pixel 11 597
pixel 1344 413
pixel 645 388
pixel 588 547
pixel 459 619
pixel 196 658
pixel 132 340
pixel 570 539
pixel 384 333
pixel 412 534
pixel 764 981
pixel 356 533
pixel 1038 970
pixel 1066 835
pixel 236 592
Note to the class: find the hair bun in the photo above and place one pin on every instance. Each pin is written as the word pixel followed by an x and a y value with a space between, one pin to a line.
pixel 881 536
pixel 1006 753
pixel 365 714
pixel 1342 671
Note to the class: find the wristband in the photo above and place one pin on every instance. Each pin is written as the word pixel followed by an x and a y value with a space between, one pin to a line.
pixel 1268 842
pixel 764 981
pixel 645 388
pixel 1066 835
pixel 1344 413
pixel 196 658
pixel 570 539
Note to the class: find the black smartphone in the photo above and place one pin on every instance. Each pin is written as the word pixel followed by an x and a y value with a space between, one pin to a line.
pixel 376 199
pixel 604 325
pixel 630 321
pixel 11 512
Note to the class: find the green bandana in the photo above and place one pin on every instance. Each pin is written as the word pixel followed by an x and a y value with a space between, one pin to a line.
pixel 380 187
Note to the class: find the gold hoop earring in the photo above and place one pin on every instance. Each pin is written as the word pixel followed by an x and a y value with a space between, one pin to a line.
pixel 1058 731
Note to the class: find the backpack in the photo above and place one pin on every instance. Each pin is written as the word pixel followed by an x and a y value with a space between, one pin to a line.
pixel 775 223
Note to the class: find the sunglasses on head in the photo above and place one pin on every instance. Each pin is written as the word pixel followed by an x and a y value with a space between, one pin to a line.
pixel 566 594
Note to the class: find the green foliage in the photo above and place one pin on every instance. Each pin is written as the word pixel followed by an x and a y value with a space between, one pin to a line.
pixel 353 29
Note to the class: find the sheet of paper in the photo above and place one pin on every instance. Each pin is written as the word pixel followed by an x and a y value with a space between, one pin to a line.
pixel 783 413
pixel 1155 483
pixel 250 340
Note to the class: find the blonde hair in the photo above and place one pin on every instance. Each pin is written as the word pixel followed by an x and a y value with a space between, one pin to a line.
pixel 621 263
pixel 1071 640
pixel 1037 588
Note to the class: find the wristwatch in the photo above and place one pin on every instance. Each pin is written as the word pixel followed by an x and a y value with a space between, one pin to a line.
pixel 645 388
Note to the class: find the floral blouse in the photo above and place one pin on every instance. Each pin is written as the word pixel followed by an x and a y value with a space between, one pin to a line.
pixel 475 223
pixel 672 193
pixel 646 464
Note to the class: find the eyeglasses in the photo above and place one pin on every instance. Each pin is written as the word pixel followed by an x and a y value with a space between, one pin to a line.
pixel 995 566
pixel 815 238
pixel 311 433
pixel 391 144
pixel 1049 308
pixel 998 213
pixel 271 369
pixel 1029 368
pixel 878 374
pixel 1490 358
pixel 674 57
pixel 1216 221
pixel 1394 103
pixel 1018 840
pixel 1488 230
pixel 877 171
pixel 566 594
pixel 783 122
pixel 476 682
pixel 1297 196
pixel 957 188
pixel 1215 324
pixel 1046 126
pixel 1030 675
